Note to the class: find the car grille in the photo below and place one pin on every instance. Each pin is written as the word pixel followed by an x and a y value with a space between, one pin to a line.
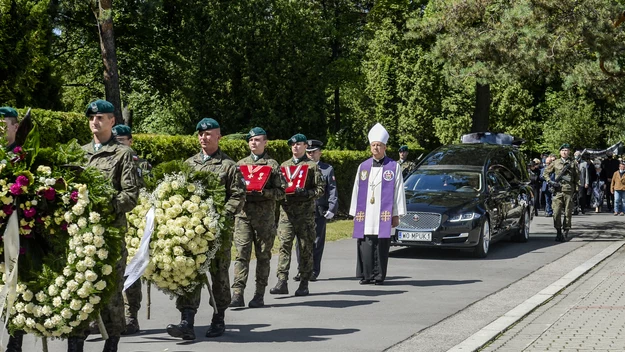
pixel 420 221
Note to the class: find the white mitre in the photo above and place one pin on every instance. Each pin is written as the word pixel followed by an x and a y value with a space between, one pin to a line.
pixel 378 134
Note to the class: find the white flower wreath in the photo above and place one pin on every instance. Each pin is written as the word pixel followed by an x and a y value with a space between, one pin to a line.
pixel 186 236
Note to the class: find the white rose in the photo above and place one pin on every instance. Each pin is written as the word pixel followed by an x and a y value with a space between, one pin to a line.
pixel 94 217
pixel 82 223
pixel 71 286
pixel 75 304
pixel 103 253
pixel 89 262
pixel 100 285
pixel 60 280
pixel 87 237
pixel 48 324
pixel 87 308
pixel 83 316
pixel 90 276
pixel 94 300
pixel 53 290
pixel 40 296
pixel 30 322
pixel 79 277
pixel 72 229
pixel 57 301
pixel 90 250
pixel 65 294
pixel 80 266
pixel 107 269
pixel 66 313
pixel 98 230
pixel 68 217
pixel 67 272
pixel 19 320
pixel 98 241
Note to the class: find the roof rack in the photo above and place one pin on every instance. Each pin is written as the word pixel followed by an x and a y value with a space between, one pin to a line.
pixel 491 138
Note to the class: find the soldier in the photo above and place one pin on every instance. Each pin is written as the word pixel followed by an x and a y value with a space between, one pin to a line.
pixel 212 159
pixel 255 225
pixel 326 206
pixel 10 126
pixel 407 167
pixel 566 173
pixel 132 295
pixel 116 162
pixel 123 134
pixel 304 185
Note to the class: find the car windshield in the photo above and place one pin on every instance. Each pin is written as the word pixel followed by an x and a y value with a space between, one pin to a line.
pixel 444 181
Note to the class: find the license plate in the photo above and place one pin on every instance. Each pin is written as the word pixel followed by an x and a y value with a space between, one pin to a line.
pixel 414 236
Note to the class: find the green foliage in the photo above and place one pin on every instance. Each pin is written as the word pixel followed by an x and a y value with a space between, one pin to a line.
pixel 59 127
pixel 570 120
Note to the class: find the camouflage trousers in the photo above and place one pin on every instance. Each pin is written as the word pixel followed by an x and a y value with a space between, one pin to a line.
pixel 254 226
pixel 113 312
pixel 220 280
pixel 562 204
pixel 132 299
pixel 297 220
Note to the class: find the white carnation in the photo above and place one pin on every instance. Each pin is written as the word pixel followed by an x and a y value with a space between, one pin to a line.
pixel 94 217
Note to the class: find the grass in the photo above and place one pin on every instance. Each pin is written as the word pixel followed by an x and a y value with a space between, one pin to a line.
pixel 335 231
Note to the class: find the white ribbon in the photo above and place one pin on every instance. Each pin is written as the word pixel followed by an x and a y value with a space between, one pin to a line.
pixel 140 261
pixel 11 255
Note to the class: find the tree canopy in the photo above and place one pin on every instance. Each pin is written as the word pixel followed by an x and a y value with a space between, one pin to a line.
pixel 547 71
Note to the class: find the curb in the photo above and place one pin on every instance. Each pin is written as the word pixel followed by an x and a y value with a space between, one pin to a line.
pixel 492 330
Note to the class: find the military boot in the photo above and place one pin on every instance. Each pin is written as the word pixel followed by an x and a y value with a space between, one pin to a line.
pixel 132 326
pixel 183 330
pixel 281 288
pixel 15 341
pixel 559 237
pixel 565 236
pixel 218 324
pixel 257 302
pixel 237 300
pixel 302 290
pixel 110 345
pixel 75 344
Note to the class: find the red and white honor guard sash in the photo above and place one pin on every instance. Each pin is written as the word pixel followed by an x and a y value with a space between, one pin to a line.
pixel 256 176
pixel 295 176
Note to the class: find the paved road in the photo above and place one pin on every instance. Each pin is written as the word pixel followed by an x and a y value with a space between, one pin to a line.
pixel 425 290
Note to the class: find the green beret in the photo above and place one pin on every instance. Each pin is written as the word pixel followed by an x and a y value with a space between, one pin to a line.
pixel 403 148
pixel 256 131
pixel 297 138
pixel 99 106
pixel 122 130
pixel 6 111
pixel 565 146
pixel 206 124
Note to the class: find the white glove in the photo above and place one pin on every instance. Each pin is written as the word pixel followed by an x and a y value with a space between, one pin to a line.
pixel 328 215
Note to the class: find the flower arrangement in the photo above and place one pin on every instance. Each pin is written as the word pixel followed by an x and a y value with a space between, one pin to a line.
pixel 65 234
pixel 188 225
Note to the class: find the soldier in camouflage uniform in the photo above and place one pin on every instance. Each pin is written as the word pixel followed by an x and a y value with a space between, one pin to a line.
pixel 132 295
pixel 9 115
pixel 297 219
pixel 212 159
pixel 116 162
pixel 564 187
pixel 407 167
pixel 255 225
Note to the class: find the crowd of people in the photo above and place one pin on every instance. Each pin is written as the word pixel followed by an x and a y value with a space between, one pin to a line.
pixel 303 187
pixel 598 184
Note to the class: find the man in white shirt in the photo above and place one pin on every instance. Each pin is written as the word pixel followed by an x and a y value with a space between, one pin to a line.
pixel 378 200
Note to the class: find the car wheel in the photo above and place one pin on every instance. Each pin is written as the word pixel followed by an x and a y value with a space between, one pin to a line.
pixel 523 234
pixel 483 245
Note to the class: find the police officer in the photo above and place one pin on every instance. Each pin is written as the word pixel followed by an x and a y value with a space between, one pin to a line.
pixel 212 159
pixel 115 160
pixel 326 206
pixel 297 215
pixel 407 166
pixel 132 295
pixel 10 126
pixel 566 173
pixel 255 225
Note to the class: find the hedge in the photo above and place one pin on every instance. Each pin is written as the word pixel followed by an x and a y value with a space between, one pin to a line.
pixel 61 127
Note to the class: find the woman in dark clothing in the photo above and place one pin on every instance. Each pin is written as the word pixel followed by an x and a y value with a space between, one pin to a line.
pixel 598 180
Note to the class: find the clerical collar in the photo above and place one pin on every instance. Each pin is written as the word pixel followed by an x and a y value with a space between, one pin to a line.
pixel 378 162
pixel 257 157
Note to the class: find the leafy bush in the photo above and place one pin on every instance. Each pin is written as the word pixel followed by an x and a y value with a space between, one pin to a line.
pixel 59 127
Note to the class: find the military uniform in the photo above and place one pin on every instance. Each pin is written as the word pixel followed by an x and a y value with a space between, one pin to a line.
pixel 255 225
pixel 563 198
pixel 116 162
pixel 223 166
pixel 407 167
pixel 297 219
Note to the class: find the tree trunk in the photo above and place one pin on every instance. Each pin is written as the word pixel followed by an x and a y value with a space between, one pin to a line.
pixel 109 57
pixel 482 108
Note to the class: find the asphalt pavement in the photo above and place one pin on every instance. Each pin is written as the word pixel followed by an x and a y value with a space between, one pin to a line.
pixel 432 300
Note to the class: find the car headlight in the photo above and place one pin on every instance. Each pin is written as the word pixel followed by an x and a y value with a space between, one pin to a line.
pixel 463 217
